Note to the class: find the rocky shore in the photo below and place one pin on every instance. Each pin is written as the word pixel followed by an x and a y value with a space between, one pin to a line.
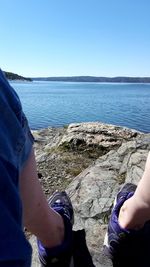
pixel 91 161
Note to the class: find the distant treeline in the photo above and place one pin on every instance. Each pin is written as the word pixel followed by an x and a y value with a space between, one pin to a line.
pixel 13 76
pixel 96 79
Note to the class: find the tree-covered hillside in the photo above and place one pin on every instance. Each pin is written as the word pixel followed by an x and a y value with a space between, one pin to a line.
pixel 13 76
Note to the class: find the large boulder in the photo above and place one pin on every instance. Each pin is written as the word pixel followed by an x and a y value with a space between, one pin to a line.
pixel 92 192
pixel 96 134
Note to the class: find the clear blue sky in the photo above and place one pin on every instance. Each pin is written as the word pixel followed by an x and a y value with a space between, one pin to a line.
pixel 75 37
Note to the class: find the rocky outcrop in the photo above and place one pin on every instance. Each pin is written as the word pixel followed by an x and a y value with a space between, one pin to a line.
pixel 96 135
pixel 92 192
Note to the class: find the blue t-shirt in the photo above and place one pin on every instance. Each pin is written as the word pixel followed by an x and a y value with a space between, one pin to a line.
pixel 15 145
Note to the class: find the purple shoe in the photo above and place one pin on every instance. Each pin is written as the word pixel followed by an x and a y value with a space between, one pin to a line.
pixel 61 203
pixel 126 247
pixel 60 256
pixel 116 235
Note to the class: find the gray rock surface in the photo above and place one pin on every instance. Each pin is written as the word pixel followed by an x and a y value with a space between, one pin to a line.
pixel 92 192
pixel 96 134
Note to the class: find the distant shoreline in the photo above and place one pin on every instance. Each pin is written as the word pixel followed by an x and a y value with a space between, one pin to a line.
pixel 15 77
pixel 95 79
pixel 120 79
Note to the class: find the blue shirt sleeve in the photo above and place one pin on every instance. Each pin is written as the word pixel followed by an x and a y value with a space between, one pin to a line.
pixel 16 139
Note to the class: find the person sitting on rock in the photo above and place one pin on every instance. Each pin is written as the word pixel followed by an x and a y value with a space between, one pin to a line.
pixel 22 202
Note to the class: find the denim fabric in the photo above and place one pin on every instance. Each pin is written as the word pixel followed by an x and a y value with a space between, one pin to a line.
pixel 15 145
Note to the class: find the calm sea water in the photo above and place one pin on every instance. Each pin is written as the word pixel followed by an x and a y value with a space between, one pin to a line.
pixel 59 103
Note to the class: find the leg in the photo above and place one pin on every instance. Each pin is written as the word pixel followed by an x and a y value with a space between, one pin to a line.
pixel 60 255
pixel 50 221
pixel 42 221
pixel 136 210
pixel 126 247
